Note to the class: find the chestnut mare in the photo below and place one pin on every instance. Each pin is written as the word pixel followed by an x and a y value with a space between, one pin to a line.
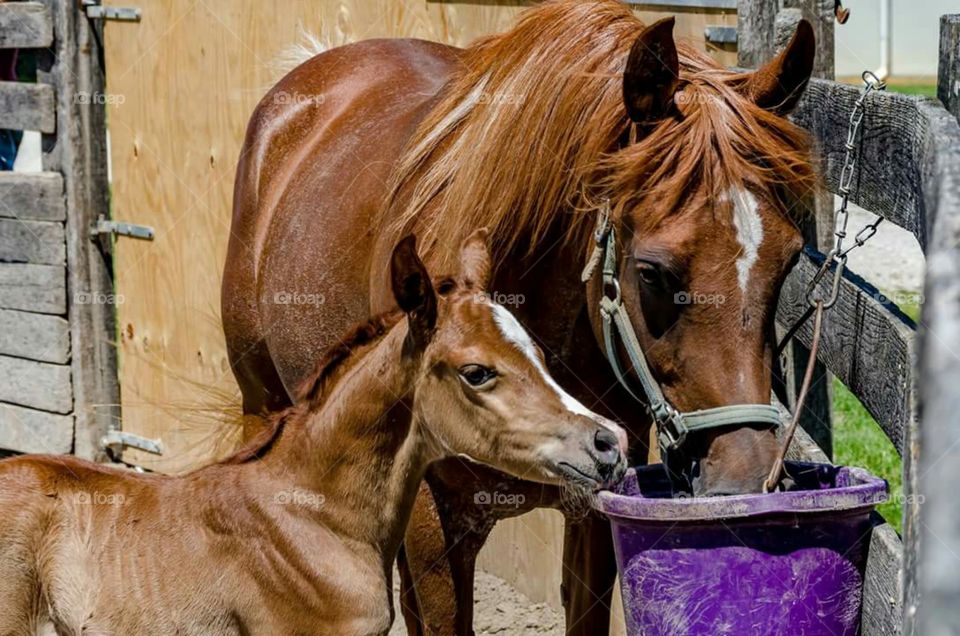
pixel 529 133
pixel 297 532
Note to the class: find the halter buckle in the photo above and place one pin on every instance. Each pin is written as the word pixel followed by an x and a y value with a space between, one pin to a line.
pixel 671 431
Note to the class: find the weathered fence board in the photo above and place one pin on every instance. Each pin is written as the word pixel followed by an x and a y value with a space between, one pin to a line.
pixel 868 344
pixel 39 288
pixel 888 179
pixel 34 336
pixel 30 431
pixel 948 91
pixel 38 242
pixel 26 106
pixel 36 196
pixel 932 516
pixel 36 384
pixel 882 586
pixel 25 25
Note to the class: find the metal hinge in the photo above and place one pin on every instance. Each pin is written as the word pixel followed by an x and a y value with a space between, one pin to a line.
pixel 115 441
pixel 97 11
pixel 721 34
pixel 106 226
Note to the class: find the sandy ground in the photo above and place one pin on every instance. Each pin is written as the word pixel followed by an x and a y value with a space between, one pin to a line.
pixel 500 609
pixel 892 260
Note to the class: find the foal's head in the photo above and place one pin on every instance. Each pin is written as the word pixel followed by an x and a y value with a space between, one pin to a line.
pixel 482 388
pixel 707 185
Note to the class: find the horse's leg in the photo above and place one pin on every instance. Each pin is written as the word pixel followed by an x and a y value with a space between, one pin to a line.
pixel 589 572
pixel 409 607
pixel 441 547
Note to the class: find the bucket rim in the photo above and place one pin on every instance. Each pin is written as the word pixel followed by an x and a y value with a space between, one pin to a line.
pixel 862 492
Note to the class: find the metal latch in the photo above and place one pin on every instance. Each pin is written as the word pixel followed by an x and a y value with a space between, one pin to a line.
pixel 721 34
pixel 97 11
pixel 114 441
pixel 106 226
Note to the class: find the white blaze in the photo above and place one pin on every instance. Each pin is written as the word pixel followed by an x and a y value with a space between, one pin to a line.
pixel 746 219
pixel 514 333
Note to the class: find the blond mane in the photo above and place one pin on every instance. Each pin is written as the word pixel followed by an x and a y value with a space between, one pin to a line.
pixel 532 130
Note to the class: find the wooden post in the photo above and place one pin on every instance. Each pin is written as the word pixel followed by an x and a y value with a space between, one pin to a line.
pixel 77 150
pixel 755 32
pixel 932 469
pixel 948 85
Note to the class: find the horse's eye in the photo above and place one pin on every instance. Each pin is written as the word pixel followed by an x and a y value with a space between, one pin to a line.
pixel 648 273
pixel 476 375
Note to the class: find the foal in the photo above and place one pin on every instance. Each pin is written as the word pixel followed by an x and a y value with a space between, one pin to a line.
pixel 298 531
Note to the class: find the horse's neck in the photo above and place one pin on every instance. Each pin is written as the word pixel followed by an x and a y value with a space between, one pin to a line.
pixel 359 457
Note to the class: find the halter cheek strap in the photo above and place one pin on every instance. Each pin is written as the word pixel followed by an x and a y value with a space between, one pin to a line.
pixel 673 427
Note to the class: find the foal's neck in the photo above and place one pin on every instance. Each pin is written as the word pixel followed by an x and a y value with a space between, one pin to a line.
pixel 357 459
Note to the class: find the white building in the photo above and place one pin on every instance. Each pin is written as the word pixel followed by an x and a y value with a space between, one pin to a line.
pixel 915 35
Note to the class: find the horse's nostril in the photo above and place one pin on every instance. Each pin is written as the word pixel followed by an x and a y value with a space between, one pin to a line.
pixel 607 446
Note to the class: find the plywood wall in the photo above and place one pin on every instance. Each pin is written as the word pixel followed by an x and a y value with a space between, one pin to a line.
pixel 181 85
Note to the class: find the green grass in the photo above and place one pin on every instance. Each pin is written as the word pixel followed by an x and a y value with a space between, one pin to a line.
pixel 859 441
pixel 927 90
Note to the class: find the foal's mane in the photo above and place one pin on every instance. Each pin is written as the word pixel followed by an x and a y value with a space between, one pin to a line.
pixel 312 390
pixel 534 124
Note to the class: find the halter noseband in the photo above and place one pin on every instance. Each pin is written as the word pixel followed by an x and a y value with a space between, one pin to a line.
pixel 673 427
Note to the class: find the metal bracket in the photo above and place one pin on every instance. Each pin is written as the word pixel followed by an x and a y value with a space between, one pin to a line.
pixel 105 226
pixel 114 441
pixel 721 34
pixel 97 11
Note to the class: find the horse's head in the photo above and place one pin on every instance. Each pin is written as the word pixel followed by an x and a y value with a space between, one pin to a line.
pixel 482 388
pixel 701 198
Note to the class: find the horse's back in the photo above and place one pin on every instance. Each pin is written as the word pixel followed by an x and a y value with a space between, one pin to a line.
pixel 313 174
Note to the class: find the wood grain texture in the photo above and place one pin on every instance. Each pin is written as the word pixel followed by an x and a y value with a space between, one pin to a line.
pixel 37 385
pixel 34 336
pixel 865 342
pixel 25 25
pixel 756 32
pixel 932 465
pixel 26 106
pixel 30 431
pixel 32 196
pixel 888 179
pixel 37 288
pixel 882 613
pixel 77 149
pixel 948 86
pixel 39 242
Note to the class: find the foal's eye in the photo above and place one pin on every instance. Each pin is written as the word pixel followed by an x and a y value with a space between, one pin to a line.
pixel 476 375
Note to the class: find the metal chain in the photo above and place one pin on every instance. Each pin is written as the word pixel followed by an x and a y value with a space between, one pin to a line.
pixel 838 255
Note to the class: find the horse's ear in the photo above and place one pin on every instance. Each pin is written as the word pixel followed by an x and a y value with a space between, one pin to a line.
pixel 652 74
pixel 413 291
pixel 778 85
pixel 475 261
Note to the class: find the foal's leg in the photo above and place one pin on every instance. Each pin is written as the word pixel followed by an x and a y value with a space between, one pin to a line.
pixel 589 572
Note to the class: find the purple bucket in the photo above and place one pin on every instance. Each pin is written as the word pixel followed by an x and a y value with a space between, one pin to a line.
pixel 782 563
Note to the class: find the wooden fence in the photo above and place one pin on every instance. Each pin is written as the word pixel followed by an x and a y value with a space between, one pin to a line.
pixel 58 370
pixel 58 383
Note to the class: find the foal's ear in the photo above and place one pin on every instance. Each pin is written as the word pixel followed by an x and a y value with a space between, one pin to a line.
pixel 778 85
pixel 475 261
pixel 652 74
pixel 413 291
